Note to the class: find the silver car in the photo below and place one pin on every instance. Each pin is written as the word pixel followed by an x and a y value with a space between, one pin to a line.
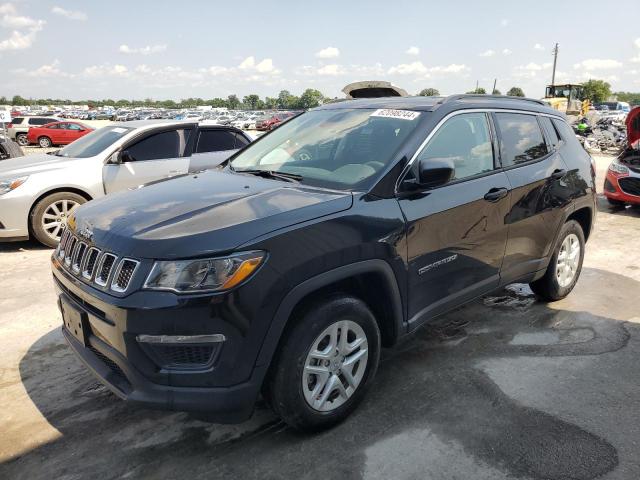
pixel 39 192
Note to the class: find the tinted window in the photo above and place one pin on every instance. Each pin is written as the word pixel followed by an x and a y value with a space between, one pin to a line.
pixel 55 126
pixel 215 140
pixel 73 126
pixel 565 131
pixel 552 133
pixel 520 138
pixel 17 120
pixel 241 141
pixel 465 140
pixel 41 121
pixel 162 145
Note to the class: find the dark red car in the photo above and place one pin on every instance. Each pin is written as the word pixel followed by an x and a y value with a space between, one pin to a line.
pixel 622 184
pixel 269 123
pixel 57 133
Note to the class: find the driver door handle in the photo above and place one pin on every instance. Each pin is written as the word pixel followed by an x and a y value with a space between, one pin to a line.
pixel 496 194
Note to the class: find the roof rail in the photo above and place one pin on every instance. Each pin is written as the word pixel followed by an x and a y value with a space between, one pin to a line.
pixel 452 98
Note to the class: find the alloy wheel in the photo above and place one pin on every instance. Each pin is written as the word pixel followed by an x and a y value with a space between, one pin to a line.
pixel 54 219
pixel 568 260
pixel 335 365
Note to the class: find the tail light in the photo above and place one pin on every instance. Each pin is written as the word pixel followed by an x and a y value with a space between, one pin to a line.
pixel 9 125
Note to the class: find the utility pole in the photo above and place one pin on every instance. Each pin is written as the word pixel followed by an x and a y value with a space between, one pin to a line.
pixel 555 61
pixel 495 81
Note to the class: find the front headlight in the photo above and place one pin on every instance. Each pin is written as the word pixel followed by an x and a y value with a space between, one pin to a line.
pixel 9 184
pixel 619 169
pixel 203 275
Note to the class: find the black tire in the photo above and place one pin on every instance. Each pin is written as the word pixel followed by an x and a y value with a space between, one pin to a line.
pixel 10 149
pixel 44 142
pixel 21 139
pixel 615 203
pixel 284 387
pixel 37 212
pixel 548 287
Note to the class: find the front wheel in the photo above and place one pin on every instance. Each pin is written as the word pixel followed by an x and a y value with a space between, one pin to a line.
pixel 325 364
pixel 565 265
pixel 49 216
pixel 44 142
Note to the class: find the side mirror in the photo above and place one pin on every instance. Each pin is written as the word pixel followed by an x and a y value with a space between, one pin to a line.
pixel 434 172
pixel 125 156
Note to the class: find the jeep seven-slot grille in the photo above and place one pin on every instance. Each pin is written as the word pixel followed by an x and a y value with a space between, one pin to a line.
pixel 94 265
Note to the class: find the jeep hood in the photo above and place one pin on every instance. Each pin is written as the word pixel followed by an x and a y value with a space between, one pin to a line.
pixel 202 214
pixel 31 164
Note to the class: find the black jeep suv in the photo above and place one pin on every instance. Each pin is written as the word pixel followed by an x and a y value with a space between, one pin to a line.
pixel 287 269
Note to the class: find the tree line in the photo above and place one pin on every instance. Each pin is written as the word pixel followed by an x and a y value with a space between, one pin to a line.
pixel 595 90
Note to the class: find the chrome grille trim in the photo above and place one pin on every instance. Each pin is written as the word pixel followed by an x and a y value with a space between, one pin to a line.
pixel 69 247
pixel 87 269
pixel 124 274
pixel 103 271
pixel 63 240
pixel 78 254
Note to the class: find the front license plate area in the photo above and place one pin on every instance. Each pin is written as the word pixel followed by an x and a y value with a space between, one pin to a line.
pixel 75 320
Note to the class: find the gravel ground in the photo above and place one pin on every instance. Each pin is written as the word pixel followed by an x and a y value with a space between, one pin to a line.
pixel 508 388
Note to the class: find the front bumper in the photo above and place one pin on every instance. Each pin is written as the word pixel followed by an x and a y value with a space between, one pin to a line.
pixel 613 190
pixel 14 214
pixel 111 351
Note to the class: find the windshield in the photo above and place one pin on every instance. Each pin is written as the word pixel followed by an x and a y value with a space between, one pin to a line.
pixel 93 143
pixel 342 149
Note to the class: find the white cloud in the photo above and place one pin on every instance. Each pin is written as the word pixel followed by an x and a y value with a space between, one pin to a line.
pixel 329 52
pixel 408 69
pixel 264 67
pixel 506 51
pixel 106 69
pixel 332 70
pixel 453 68
pixel 413 51
pixel 487 53
pixel 592 64
pixel 537 46
pixel 69 14
pixel 504 22
pixel 637 42
pixel 44 71
pixel 24 28
pixel 147 50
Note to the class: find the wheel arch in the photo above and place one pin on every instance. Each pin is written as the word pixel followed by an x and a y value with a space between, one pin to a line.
pixel 385 301
pixel 584 217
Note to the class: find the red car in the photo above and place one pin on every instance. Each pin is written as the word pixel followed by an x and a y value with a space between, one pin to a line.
pixel 269 123
pixel 622 183
pixel 57 133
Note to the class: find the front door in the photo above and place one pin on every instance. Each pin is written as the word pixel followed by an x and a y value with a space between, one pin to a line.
pixel 154 157
pixel 456 233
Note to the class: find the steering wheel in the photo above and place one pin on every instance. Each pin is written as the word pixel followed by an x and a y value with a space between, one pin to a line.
pixel 304 155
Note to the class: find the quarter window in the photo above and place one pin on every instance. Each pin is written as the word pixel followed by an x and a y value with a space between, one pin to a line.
pixel 566 132
pixel 552 133
pixel 160 146
pixel 466 141
pixel 521 139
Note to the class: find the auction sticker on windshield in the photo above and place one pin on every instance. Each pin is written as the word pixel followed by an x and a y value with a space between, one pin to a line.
pixel 118 130
pixel 391 113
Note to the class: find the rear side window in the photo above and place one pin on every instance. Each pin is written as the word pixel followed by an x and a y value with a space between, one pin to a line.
pixel 565 131
pixel 17 120
pixel 160 146
pixel 41 121
pixel 215 141
pixel 552 133
pixel 521 139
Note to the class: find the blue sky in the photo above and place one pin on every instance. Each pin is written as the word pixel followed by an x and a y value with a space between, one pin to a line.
pixel 157 49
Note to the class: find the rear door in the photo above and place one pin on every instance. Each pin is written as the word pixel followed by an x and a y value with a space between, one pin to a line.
pixel 456 233
pixel 154 156
pixel 213 146
pixel 539 193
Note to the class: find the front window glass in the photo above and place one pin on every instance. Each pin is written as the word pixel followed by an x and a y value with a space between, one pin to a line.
pixel 342 148
pixel 94 143
pixel 465 141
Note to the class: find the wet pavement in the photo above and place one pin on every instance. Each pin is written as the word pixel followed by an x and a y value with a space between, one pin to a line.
pixel 506 387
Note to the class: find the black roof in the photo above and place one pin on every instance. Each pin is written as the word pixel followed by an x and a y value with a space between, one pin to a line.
pixel 429 104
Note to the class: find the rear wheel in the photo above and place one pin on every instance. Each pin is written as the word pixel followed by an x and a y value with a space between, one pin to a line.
pixel 44 142
pixel 325 364
pixel 21 139
pixel 49 216
pixel 565 265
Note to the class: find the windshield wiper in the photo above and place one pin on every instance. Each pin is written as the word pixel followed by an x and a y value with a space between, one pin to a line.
pixel 287 177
